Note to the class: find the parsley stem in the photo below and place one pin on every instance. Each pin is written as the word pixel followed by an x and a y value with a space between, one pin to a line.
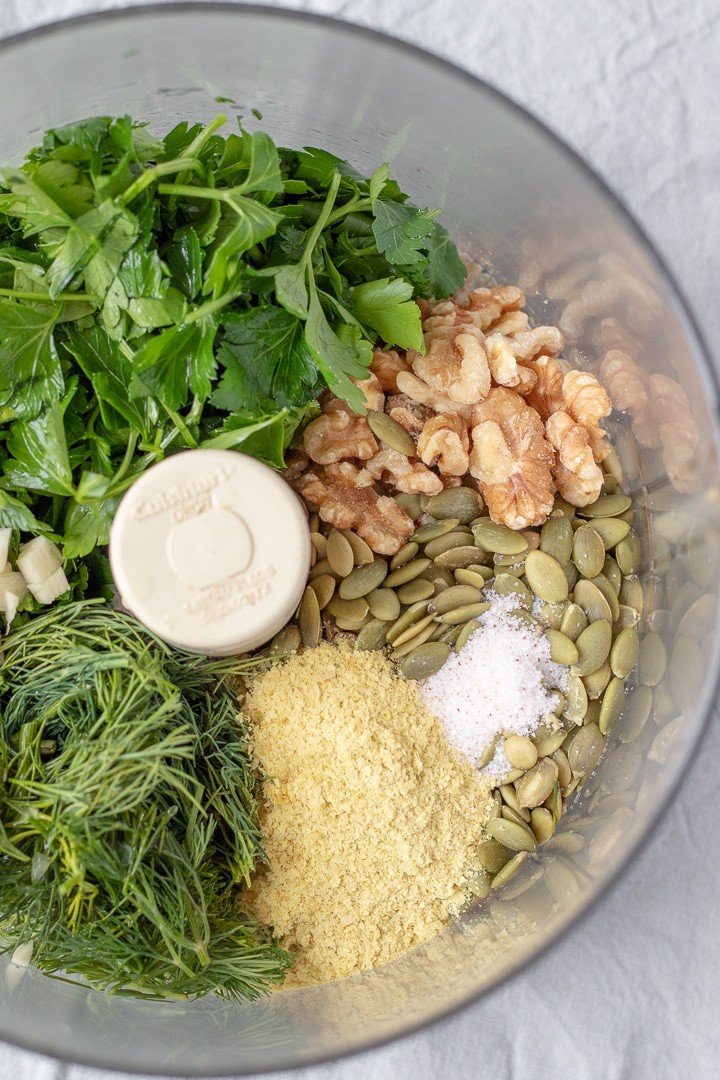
pixel 353 206
pixel 182 427
pixel 164 168
pixel 62 298
pixel 322 220
pixel 202 137
pixel 211 306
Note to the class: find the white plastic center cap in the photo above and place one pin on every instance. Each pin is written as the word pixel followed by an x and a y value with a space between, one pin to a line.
pixel 210 549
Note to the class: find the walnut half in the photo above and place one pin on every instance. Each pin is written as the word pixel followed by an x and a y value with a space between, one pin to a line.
pixel 512 460
pixel 344 497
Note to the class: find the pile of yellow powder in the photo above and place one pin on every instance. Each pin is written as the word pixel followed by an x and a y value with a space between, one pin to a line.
pixel 369 819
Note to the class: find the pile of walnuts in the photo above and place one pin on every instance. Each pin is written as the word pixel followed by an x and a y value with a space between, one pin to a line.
pixel 489 398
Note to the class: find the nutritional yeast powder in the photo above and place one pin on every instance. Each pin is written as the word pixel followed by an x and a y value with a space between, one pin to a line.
pixel 370 818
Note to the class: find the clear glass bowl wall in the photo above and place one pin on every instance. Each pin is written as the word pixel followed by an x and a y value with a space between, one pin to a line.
pixel 513 195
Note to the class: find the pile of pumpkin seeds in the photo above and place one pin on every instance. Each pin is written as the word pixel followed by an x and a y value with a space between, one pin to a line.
pixel 575 580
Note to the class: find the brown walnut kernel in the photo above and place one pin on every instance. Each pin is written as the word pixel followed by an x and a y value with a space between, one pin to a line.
pixel 587 402
pixel 577 475
pixel 512 460
pixel 386 364
pixel 407 475
pixel 344 496
pixel 444 442
pixel 338 435
pixel 455 364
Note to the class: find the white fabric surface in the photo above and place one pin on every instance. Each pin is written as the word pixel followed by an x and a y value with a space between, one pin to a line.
pixel 632 992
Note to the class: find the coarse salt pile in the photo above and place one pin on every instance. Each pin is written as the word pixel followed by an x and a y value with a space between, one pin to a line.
pixel 499 682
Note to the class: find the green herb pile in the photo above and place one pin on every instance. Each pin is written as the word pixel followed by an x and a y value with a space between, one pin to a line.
pixel 127 811
pixel 195 291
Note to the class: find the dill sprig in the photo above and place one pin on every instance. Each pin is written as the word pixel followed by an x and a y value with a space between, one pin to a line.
pixel 128 819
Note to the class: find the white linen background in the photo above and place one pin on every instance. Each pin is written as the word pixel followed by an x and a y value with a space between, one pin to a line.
pixel 632 993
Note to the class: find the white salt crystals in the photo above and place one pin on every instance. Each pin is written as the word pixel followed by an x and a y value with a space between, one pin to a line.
pixel 500 682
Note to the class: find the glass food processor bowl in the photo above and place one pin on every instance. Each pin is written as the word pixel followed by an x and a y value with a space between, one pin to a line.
pixel 516 198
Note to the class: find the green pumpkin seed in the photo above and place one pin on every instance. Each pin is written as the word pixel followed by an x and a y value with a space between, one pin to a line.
pixel 457 557
pixel 355 610
pixel 611 465
pixel 383 604
pixel 372 636
pixel 340 555
pixel 609 485
pixel 624 653
pixel 477 883
pixel 593 647
pixel 362 552
pixel 509 870
pixel 406 573
pixel 612 530
pixel 319 542
pixel 469 576
pixel 466 633
pixel 545 577
pixel 419 589
pixel 363 580
pixel 309 622
pixel 488 753
pixel 463 613
pixel 571 574
pixel 414 628
pixel 419 634
pixel 405 555
pixel 426 660
pixel 698 619
pixel 576 700
pixel 433 530
pixel 513 564
pixel 511 835
pixel 607 506
pixel 314 523
pixel 584 747
pixel 498 539
pixel 627 618
pixel 612 705
pixel 492 856
pixel 596 681
pixel 601 582
pixel 637 711
pixel 631 593
pixel 445 543
pixel 588 551
pixel 439 579
pixel 322 566
pixel 564 774
pixel 593 711
pixel 324 588
pixel 551 615
pixel 520 751
pixel 652 659
pixel 556 539
pixel 392 434
pixel 558 701
pixel 537 784
pixel 453 598
pixel 612 572
pixel 508 585
pixel 286 641
pixel 542 824
pixel 574 621
pixel 592 601
pixel 547 740
pixel 410 504
pixel 509 814
pixel 562 649
pixel 507 791
pixel 448 634
pixel 462 503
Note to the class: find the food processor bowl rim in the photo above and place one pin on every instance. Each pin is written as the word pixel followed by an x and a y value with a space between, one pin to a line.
pixel 691 332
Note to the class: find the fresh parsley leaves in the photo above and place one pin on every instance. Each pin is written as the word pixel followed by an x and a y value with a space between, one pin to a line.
pixel 199 290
